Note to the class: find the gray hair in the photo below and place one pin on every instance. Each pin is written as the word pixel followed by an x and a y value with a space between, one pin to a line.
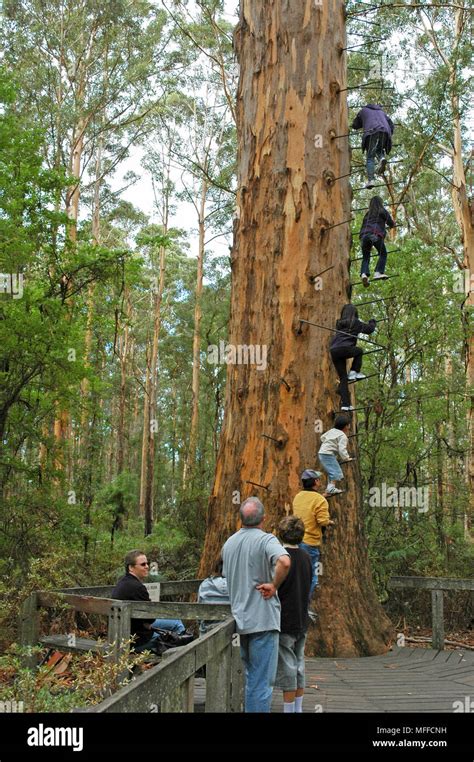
pixel 252 512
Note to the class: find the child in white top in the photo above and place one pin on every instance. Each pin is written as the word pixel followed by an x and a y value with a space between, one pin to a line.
pixel 334 443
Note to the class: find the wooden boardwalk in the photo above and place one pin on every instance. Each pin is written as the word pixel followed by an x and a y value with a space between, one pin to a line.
pixel 402 680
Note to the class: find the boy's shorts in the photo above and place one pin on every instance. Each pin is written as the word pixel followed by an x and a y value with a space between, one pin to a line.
pixel 331 466
pixel 290 671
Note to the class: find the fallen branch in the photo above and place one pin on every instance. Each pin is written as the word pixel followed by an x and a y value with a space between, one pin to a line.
pixel 422 639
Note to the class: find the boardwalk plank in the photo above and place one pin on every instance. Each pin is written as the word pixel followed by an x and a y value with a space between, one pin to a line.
pixel 413 680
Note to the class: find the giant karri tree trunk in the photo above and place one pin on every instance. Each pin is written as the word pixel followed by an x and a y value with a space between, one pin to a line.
pixel 292 65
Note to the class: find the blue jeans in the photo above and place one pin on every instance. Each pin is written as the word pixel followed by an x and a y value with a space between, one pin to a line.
pixel 314 553
pixel 259 653
pixel 174 625
pixel 331 466
pixel 378 243
pixel 375 150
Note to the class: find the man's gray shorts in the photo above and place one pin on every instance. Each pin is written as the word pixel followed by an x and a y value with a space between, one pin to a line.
pixel 290 672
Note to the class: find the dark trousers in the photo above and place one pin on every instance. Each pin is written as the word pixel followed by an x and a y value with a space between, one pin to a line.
pixel 378 243
pixel 375 150
pixel 339 357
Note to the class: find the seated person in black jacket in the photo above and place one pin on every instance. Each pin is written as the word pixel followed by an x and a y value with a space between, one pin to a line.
pixel 130 587
pixel 344 345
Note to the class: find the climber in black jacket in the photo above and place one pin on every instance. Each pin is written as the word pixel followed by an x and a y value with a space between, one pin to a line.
pixel 372 233
pixel 344 345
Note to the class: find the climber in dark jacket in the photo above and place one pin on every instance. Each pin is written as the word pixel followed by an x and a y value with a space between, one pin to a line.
pixel 344 345
pixel 376 138
pixel 372 233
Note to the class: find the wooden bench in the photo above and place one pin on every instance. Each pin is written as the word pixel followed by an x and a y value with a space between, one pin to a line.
pixel 72 643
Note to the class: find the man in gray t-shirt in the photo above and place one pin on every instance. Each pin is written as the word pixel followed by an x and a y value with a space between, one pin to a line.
pixel 255 565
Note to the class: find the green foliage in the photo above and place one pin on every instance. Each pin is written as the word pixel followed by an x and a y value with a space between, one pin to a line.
pixel 88 681
pixel 78 342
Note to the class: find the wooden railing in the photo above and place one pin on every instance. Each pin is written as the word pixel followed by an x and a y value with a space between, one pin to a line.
pixel 168 687
pixel 437 585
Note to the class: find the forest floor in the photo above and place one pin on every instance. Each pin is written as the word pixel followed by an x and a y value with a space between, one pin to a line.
pixel 420 637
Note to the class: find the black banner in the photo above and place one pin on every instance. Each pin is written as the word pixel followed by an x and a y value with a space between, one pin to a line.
pixel 88 736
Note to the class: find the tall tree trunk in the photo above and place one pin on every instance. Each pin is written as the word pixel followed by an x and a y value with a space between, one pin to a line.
pixel 62 423
pixel 439 512
pixel 465 220
pixel 464 217
pixel 150 422
pixel 134 429
pixel 124 347
pixel 145 437
pixel 291 68
pixel 189 463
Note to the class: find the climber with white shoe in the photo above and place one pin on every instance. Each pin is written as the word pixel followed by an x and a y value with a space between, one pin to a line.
pixel 344 345
pixel 372 233
pixel 334 443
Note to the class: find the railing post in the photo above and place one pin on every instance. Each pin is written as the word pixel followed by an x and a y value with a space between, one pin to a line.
pixel 218 681
pixel 437 618
pixel 189 695
pixel 119 630
pixel 236 677
pixel 29 627
pixel 181 699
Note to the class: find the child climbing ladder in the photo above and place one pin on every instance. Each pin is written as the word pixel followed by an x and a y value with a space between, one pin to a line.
pixel 334 443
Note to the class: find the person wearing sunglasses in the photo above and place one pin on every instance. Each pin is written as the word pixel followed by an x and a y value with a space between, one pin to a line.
pixel 130 587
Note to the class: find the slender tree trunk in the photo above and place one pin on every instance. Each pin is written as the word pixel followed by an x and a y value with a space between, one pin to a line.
pixel 191 455
pixel 62 423
pixel 149 416
pixel 123 393
pixel 464 217
pixel 173 447
pixel 152 429
pixel 439 513
pixel 145 436
pixel 291 68
pixel 132 461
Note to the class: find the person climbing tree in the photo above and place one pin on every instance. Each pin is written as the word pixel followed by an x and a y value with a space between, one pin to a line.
pixel 333 443
pixel 344 345
pixel 376 138
pixel 313 510
pixel 372 233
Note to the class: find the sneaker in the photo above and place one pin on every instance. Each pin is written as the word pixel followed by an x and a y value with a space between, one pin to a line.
pixel 370 184
pixel 347 407
pixel 365 279
pixel 312 615
pixel 333 491
pixel 380 276
pixel 352 375
pixel 359 375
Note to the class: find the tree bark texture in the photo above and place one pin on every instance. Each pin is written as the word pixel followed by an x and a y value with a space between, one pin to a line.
pixel 292 65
